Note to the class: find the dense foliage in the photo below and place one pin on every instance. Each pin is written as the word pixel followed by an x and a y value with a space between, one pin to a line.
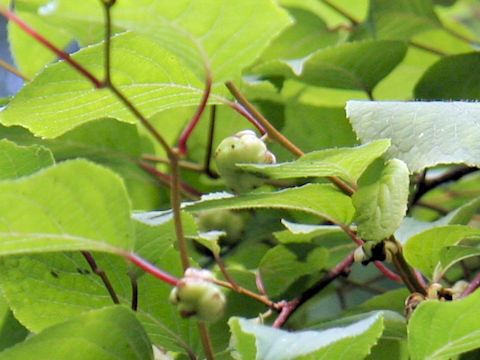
pixel 221 179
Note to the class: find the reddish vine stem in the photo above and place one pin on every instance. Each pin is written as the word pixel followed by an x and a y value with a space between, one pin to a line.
pixel 474 285
pixel 182 144
pixel 151 269
pixel 61 54
pixel 102 274
pixel 242 111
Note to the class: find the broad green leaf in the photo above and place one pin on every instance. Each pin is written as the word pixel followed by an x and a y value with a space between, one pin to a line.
pixel 17 161
pixel 11 331
pixel 348 163
pixel 60 99
pixel 423 251
pixel 252 341
pixel 381 200
pixel 195 31
pixel 401 19
pixel 423 134
pixel 31 56
pixel 320 200
pixel 108 334
pixel 48 289
pixel 357 66
pixel 108 142
pixel 210 240
pixel 456 326
pixel 450 255
pixel 308 34
pixel 72 206
pixel 314 128
pixel 451 78
pixel 282 266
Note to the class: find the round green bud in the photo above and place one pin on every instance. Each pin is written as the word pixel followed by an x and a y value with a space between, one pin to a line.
pixel 196 295
pixel 232 223
pixel 242 148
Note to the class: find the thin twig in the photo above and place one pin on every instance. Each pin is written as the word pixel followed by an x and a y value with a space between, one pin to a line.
pixel 342 12
pixel 223 269
pixel 183 164
pixel 108 39
pixel 206 341
pixel 101 273
pixel 242 111
pixel 453 175
pixel 42 40
pixel 13 70
pixel 290 307
pixel 182 143
pixel 134 286
pixel 211 136
pixel 151 269
pixel 474 285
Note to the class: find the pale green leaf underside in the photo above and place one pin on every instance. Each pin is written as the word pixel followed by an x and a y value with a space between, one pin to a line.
pixel 347 163
pixel 17 161
pixel 321 200
pixel 253 341
pixel 423 134
pixel 228 33
pixel 304 233
pixel 456 326
pixel 423 251
pixel 382 204
pixel 109 334
pixel 73 206
pixel 357 66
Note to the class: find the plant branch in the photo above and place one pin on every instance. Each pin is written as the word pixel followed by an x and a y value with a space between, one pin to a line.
pixel 186 189
pixel 99 271
pixel 151 269
pixel 13 70
pixel 211 135
pixel 242 111
pixel 182 144
pixel 108 4
pixel 183 164
pixel 342 12
pixel 206 342
pixel 134 285
pixel 224 271
pixel 474 285
pixel 60 53
pixel 290 307
pixel 278 136
pixel 429 184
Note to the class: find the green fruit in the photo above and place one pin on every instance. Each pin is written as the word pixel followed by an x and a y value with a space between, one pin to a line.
pixel 232 223
pixel 242 148
pixel 195 295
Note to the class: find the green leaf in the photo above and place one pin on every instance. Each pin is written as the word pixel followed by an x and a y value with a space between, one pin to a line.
pixel 381 200
pixel 59 210
pixel 281 267
pixel 348 163
pixel 195 32
pixel 308 34
pixel 17 161
pixel 450 255
pixel 107 334
pixel 253 341
pixel 321 200
pixel 451 78
pixel 423 134
pixel 210 240
pixel 357 66
pixel 11 331
pixel 423 251
pixel 456 325
pixel 401 19
pixel 108 142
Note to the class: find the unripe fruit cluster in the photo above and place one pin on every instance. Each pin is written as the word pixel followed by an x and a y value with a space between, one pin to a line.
pixel 242 148
pixel 232 223
pixel 196 295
